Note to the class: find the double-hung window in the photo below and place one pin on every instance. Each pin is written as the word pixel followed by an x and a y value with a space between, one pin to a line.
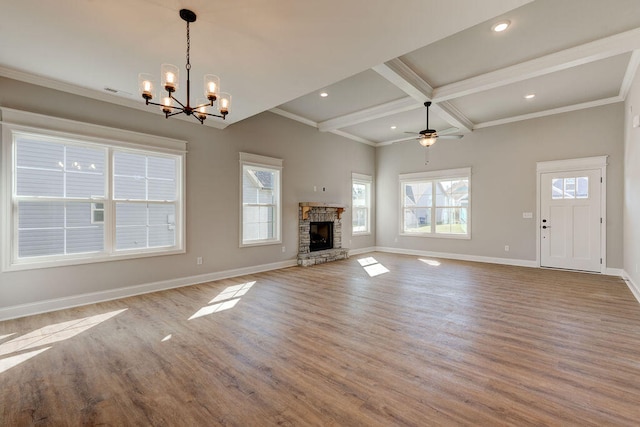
pixel 361 203
pixel 72 198
pixel 436 204
pixel 260 184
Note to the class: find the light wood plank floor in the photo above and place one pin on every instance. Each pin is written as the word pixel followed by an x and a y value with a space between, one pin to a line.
pixel 457 343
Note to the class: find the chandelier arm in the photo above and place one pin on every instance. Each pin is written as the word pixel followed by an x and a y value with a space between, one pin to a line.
pixel 180 111
pixel 178 101
pixel 220 116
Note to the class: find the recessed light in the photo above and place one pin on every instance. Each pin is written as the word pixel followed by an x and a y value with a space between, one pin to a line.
pixel 530 96
pixel 324 94
pixel 500 26
pixel 393 127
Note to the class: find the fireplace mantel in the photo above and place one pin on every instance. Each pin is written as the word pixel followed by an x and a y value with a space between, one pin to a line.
pixel 307 206
pixel 314 212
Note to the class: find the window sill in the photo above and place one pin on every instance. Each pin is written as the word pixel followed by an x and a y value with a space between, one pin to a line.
pixel 80 260
pixel 438 236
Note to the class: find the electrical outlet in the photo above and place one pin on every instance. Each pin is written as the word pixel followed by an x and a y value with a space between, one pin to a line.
pixel 199 260
pixel 283 249
pixel 506 248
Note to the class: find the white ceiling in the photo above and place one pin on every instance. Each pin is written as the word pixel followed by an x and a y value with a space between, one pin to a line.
pixel 379 61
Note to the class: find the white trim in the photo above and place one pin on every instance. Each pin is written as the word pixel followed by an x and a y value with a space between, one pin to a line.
pixel 124 101
pixel 30 309
pixel 292 116
pixel 68 132
pixel 361 177
pixel 65 128
pixel 569 165
pixel 360 251
pixel 263 162
pixel 387 109
pixel 633 287
pixel 460 257
pixel 258 160
pixel 434 176
pixel 367 181
pixel 552 112
pixel 558 61
pixel 403 77
pixel 448 173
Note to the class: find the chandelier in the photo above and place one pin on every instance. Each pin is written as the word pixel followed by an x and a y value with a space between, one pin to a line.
pixel 169 82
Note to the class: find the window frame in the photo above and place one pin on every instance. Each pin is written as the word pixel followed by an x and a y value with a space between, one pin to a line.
pixel 433 177
pixel 367 181
pixel 16 123
pixel 270 164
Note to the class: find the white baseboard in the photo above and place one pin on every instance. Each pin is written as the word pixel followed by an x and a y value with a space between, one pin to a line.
pixel 361 251
pixel 633 287
pixel 461 257
pixel 30 309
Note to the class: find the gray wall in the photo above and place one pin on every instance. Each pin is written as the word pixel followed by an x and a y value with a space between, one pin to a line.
pixel 311 158
pixel 503 182
pixel 503 161
pixel 631 185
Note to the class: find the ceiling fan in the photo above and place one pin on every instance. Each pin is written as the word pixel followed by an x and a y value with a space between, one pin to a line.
pixel 428 136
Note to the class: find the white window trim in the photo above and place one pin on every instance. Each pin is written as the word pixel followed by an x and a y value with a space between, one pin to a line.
pixel 363 179
pixel 431 176
pixel 23 122
pixel 248 159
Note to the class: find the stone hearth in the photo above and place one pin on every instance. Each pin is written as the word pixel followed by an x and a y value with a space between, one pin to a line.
pixel 309 212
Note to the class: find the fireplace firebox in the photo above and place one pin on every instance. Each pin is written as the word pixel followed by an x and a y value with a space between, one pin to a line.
pixel 320 236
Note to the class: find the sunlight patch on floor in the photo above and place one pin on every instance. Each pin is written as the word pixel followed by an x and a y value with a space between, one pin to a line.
pixel 225 300
pixel 372 266
pixel 47 335
pixel 167 338
pixel 431 262
pixel 9 362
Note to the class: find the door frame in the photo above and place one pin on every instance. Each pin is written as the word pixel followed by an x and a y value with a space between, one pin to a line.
pixel 585 163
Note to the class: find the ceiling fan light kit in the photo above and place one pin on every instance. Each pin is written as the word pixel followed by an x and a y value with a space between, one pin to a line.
pixel 169 83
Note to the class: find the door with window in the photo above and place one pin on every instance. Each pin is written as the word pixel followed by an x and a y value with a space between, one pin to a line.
pixel 571 220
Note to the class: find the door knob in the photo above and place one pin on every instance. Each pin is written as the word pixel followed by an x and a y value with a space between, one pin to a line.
pixel 546 226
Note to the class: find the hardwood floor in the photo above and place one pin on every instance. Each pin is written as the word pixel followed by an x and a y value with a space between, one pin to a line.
pixel 457 343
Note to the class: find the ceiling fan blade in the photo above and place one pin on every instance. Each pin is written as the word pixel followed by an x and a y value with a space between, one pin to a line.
pixel 413 133
pixel 450 136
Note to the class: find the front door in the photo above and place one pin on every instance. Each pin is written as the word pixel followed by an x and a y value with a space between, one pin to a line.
pixel 570 220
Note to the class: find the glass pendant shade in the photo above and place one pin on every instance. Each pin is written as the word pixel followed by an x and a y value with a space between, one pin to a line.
pixel 170 75
pixel 428 141
pixel 166 89
pixel 211 87
pixel 224 103
pixel 201 109
pixel 146 86
pixel 167 103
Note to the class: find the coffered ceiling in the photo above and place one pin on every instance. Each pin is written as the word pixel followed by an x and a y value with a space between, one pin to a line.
pixel 378 61
pixel 570 54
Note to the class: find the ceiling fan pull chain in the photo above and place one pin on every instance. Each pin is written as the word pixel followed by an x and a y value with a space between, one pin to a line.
pixel 426 156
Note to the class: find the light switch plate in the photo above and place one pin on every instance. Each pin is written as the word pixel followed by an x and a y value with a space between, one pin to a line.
pixel 527 215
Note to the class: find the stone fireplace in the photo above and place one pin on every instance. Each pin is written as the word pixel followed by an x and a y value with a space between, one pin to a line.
pixel 320 233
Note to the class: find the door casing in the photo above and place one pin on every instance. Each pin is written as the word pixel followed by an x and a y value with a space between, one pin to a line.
pixel 598 162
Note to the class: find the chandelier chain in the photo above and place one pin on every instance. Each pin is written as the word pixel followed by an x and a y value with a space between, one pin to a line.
pixel 188 66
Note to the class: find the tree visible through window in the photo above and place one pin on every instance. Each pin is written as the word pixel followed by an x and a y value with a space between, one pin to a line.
pixel 436 203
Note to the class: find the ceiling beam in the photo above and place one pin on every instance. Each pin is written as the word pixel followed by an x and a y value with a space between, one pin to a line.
pixel 560 110
pixel 562 60
pixel 383 110
pixel 399 73
pixel 632 68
